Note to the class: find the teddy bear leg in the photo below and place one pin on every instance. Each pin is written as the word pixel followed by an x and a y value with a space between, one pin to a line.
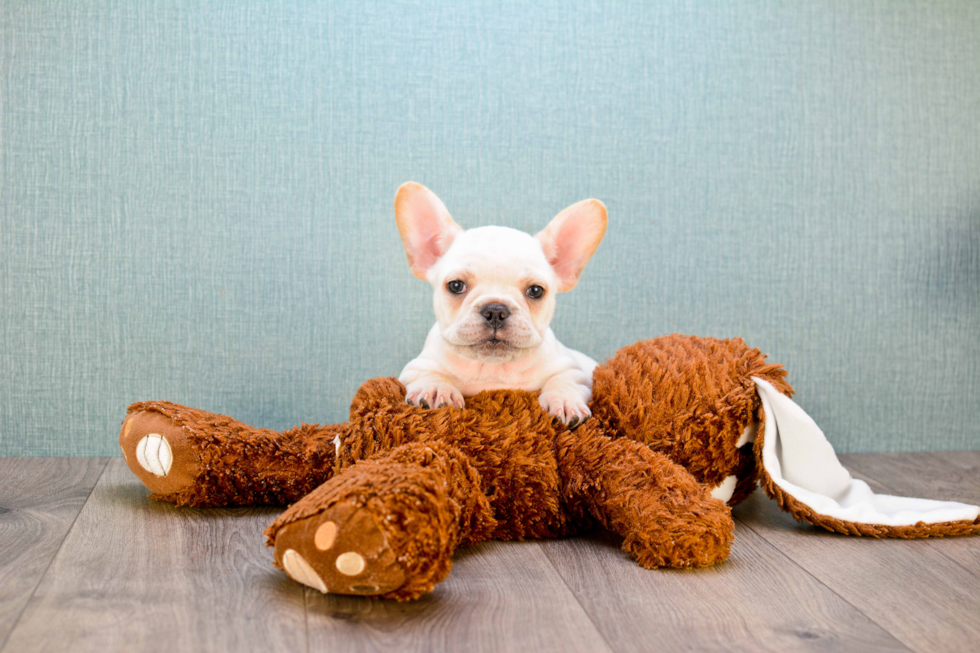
pixel 692 399
pixel 385 527
pixel 192 457
pixel 666 517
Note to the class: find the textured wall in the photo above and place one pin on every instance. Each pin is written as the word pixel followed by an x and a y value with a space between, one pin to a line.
pixel 196 196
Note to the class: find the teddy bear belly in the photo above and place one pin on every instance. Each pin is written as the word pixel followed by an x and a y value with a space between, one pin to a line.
pixel 524 487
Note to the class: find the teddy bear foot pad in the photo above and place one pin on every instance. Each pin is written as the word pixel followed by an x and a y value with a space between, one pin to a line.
pixel 340 550
pixel 155 449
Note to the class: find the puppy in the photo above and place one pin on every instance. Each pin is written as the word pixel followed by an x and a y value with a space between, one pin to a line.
pixel 495 291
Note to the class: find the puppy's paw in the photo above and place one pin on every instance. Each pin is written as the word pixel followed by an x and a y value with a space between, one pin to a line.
pixel 431 394
pixel 566 405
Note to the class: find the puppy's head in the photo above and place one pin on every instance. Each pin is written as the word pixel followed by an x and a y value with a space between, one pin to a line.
pixel 495 287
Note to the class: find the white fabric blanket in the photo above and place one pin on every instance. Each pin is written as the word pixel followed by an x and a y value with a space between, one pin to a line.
pixel 800 460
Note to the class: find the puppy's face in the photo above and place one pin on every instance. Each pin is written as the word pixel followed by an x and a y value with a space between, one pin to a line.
pixel 494 293
pixel 495 287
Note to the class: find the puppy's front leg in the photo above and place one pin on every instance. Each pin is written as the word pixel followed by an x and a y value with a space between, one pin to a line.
pixel 566 396
pixel 433 390
pixel 425 379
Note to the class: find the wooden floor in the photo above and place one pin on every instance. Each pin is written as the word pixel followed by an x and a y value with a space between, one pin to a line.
pixel 88 563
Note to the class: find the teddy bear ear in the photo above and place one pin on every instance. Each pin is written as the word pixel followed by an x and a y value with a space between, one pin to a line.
pixel 426 228
pixel 799 468
pixel 571 238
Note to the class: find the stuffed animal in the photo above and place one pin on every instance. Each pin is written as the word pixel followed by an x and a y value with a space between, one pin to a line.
pixel 682 428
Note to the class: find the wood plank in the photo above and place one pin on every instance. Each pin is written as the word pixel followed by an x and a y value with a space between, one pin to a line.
pixel 758 600
pixel 500 596
pixel 948 476
pixel 951 475
pixel 39 500
pixel 968 461
pixel 134 574
pixel 909 587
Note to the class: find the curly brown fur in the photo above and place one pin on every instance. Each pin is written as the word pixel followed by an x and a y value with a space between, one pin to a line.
pixel 407 486
pixel 504 433
pixel 225 462
pixel 667 518
pixel 689 398
pixel 433 480
pixel 425 498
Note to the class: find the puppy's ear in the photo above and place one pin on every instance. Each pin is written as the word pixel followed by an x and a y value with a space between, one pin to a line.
pixel 425 225
pixel 571 238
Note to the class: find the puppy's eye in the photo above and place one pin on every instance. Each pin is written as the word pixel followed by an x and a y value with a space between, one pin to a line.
pixel 456 287
pixel 535 292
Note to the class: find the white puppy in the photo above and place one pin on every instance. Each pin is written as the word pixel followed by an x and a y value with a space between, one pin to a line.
pixel 495 293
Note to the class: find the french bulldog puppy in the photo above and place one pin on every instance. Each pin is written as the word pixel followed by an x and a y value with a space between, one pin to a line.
pixel 495 290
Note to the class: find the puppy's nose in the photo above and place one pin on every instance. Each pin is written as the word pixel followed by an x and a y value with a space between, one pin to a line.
pixel 495 314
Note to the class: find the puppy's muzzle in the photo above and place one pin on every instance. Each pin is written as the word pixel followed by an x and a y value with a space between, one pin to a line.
pixel 495 314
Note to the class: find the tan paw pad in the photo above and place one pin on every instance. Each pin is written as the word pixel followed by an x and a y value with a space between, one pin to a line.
pixel 347 549
pixel 154 454
pixel 159 452
pixel 325 535
pixel 300 570
pixel 350 563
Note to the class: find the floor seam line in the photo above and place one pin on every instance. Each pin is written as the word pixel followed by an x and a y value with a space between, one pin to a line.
pixel 829 588
pixel 13 629
pixel 900 493
pixel 575 596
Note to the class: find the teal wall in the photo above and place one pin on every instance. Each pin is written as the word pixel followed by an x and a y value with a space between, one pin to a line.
pixel 196 197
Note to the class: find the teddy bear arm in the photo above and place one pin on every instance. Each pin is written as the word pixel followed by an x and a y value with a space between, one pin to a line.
pixel 667 518
pixel 192 457
pixel 386 526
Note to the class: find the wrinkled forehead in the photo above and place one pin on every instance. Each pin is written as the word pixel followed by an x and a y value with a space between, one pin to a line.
pixel 501 252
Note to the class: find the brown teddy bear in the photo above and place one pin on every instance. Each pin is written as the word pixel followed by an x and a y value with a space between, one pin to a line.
pixel 682 428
